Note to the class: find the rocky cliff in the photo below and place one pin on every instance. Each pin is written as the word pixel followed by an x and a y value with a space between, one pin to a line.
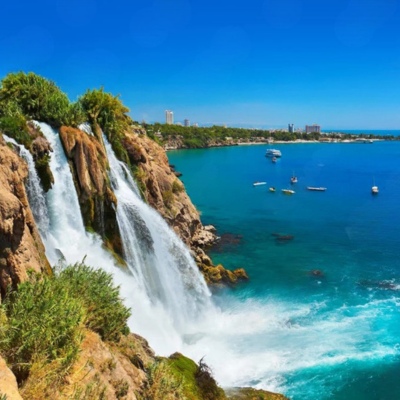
pixel 21 248
pixel 89 164
pixel 162 189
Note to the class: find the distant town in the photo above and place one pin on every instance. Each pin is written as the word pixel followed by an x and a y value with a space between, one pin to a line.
pixel 179 135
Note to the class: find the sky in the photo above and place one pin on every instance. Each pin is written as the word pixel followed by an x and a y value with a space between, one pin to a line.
pixel 255 63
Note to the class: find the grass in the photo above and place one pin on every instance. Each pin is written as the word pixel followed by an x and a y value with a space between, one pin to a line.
pixel 42 322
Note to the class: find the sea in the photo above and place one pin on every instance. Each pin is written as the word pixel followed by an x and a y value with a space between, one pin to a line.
pixel 319 317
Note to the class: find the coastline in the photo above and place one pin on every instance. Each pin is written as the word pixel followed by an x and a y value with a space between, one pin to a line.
pixel 271 143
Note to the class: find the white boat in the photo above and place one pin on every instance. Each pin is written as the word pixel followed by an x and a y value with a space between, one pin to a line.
pixel 273 153
pixel 259 183
pixel 316 189
pixel 374 190
pixel 293 179
pixel 272 189
pixel 288 191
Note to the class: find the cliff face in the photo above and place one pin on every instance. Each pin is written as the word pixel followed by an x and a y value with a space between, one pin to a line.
pixel 89 164
pixel 166 193
pixel 21 248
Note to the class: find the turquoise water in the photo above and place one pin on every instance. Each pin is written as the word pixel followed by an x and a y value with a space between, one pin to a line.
pixel 331 294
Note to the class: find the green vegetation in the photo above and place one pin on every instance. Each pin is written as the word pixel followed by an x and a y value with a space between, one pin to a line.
pixel 105 312
pixel 15 127
pixel 168 197
pixel 163 383
pixel 177 187
pixel 25 97
pixel 199 137
pixel 193 381
pixel 110 114
pixel 37 98
pixel 42 322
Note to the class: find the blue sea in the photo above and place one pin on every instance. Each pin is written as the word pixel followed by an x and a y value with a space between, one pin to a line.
pixel 324 267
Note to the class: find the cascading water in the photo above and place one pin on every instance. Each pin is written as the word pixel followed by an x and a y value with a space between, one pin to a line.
pixel 163 287
pixel 160 262
pixel 34 189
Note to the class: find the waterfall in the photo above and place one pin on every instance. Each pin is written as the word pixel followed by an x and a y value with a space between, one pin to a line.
pixel 162 286
pixel 34 189
pixel 158 259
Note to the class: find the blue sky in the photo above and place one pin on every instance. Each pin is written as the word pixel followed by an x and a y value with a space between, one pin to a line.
pixel 261 63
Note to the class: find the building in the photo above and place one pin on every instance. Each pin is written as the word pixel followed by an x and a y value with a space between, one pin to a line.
pixel 313 129
pixel 186 122
pixel 169 117
pixel 290 128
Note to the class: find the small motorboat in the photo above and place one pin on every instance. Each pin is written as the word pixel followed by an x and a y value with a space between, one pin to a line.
pixel 288 191
pixel 273 153
pixel 272 189
pixel 374 190
pixel 293 179
pixel 257 183
pixel 316 189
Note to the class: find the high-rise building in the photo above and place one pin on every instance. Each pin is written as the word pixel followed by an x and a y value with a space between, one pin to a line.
pixel 186 122
pixel 291 128
pixel 169 117
pixel 313 129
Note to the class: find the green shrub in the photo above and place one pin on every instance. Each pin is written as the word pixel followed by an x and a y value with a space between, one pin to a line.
pixel 44 321
pixel 121 388
pixel 15 127
pixel 105 312
pixel 206 383
pixel 110 114
pixel 163 383
pixel 177 187
pixel 39 98
pixel 168 197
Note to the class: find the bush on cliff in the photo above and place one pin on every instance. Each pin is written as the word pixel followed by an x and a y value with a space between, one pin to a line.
pixel 105 312
pixel 42 321
pixel 110 114
pixel 38 98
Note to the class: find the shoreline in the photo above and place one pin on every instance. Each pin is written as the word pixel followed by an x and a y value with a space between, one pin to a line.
pixel 299 141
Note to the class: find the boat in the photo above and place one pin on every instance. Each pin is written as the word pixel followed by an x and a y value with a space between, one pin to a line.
pixel 316 189
pixel 374 190
pixel 272 189
pixel 274 159
pixel 273 153
pixel 288 191
pixel 293 179
pixel 257 183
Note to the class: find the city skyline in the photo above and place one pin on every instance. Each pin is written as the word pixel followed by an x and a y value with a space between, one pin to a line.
pixel 260 65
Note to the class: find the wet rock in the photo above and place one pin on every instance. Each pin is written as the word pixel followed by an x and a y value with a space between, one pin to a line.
pixel 21 247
